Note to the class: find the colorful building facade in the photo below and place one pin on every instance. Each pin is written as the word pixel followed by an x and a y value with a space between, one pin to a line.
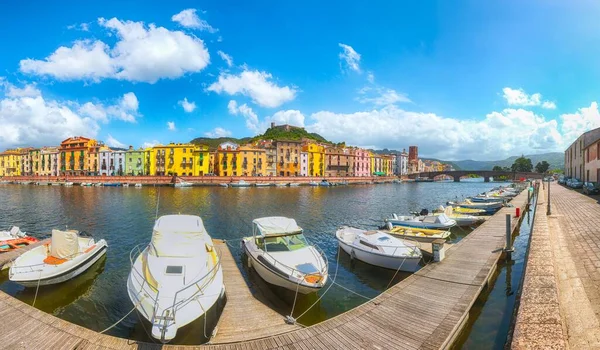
pixel 362 163
pixel 316 158
pixel 288 157
pixel 135 162
pixel 10 163
pixel 49 161
pixel 78 156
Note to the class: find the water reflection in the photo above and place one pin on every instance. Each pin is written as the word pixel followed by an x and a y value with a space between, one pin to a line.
pixel 125 217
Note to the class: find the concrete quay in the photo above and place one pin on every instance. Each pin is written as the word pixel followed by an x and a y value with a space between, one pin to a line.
pixel 560 300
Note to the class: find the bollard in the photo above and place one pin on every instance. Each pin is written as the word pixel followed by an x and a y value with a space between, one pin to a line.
pixel 508 245
pixel 518 212
pixel 549 211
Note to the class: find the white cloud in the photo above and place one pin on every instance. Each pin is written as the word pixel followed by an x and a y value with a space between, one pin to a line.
pixel 291 117
pixel 141 53
pixel 500 134
pixel 28 90
pixel 84 27
pixel 150 144
pixel 518 97
pixel 188 107
pixel 256 85
pixel 112 142
pixel 349 58
pixel 251 118
pixel 218 132
pixel 30 119
pixel 85 60
pixel 371 77
pixel 380 96
pixel 189 19
pixel 226 58
pixel 171 126
pixel 575 124
pixel 126 109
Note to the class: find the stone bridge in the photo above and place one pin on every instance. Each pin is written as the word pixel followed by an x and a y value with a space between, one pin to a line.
pixel 486 174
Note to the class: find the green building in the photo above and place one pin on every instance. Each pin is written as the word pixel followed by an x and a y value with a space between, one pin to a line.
pixel 134 162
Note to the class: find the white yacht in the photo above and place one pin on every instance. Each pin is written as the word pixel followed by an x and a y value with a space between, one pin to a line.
pixel 280 254
pixel 441 221
pixel 176 278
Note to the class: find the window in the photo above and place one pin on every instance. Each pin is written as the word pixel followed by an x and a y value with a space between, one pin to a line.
pixel 174 270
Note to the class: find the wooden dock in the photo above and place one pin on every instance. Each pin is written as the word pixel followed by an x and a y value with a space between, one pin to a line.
pixel 246 315
pixel 425 311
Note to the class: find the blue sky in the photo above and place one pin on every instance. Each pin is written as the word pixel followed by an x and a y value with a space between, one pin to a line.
pixel 465 79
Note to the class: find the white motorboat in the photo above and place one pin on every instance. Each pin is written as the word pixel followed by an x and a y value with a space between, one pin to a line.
pixel 138 185
pixel 281 184
pixel 262 184
pixel 488 207
pixel 379 249
pixel 68 184
pixel 461 219
pixel 125 185
pixel 423 221
pixel 426 235
pixel 240 183
pixel 177 277
pixel 313 183
pixel 485 198
pixel 98 184
pixel 68 255
pixel 223 185
pixel 294 184
pixel 180 183
pixel 14 233
pixel 281 255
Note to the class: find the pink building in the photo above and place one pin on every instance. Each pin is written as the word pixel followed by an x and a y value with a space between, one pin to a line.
pixel 362 163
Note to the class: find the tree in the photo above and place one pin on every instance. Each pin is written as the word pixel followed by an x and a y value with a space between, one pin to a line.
pixel 522 164
pixel 497 168
pixel 542 167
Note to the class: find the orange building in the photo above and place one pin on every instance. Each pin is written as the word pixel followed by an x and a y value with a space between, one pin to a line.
pixel 288 157
pixel 79 156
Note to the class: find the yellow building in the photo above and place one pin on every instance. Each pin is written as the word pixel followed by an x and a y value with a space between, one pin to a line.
pixel 10 163
pixel 227 162
pixel 316 158
pixel 178 159
pixel 79 156
pixel 253 161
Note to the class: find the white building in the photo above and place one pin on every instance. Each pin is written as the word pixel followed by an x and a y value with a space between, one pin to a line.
pixel 303 164
pixel 119 163
pixel 401 163
pixel 106 164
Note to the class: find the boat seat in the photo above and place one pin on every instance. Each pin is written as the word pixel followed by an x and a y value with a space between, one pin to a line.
pixel 52 260
pixel 370 232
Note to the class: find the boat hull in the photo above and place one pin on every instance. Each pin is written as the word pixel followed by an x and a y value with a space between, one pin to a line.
pixel 423 239
pixel 271 277
pixel 406 264
pixel 420 224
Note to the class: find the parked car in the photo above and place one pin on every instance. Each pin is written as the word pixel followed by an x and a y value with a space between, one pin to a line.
pixel 576 183
pixel 591 188
pixel 562 179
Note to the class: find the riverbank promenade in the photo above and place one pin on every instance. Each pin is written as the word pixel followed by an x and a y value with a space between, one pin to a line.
pixel 427 310
pixel 560 301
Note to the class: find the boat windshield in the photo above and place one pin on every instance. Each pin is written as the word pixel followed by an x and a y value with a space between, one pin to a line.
pixel 282 243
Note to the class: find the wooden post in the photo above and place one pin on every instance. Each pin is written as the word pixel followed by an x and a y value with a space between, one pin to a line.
pixel 508 244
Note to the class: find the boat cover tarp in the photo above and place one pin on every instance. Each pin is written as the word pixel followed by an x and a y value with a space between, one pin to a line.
pixel 178 236
pixel 276 225
pixel 65 244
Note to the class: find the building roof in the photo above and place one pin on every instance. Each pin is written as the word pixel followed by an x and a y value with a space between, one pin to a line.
pixel 591 137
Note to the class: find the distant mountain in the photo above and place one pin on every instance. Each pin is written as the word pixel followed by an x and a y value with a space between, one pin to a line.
pixel 556 160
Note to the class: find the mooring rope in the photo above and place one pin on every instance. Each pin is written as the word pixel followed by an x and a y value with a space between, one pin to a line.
pixel 36 289
pixel 122 318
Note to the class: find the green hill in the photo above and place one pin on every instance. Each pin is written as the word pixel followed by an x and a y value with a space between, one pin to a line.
pixel 276 133
pixel 213 143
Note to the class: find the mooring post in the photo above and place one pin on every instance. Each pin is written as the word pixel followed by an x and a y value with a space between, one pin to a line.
pixel 508 244
pixel 549 211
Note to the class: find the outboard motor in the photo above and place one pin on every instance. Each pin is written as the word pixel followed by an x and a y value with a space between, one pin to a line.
pixel 394 216
pixel 424 212
pixel 389 225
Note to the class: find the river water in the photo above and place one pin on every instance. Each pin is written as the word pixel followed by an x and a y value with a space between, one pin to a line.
pixel 125 217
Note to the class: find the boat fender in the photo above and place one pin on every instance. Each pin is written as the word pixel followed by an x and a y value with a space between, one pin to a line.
pixel 389 226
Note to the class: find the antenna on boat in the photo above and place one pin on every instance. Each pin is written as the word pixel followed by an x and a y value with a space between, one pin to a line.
pixel 157 203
